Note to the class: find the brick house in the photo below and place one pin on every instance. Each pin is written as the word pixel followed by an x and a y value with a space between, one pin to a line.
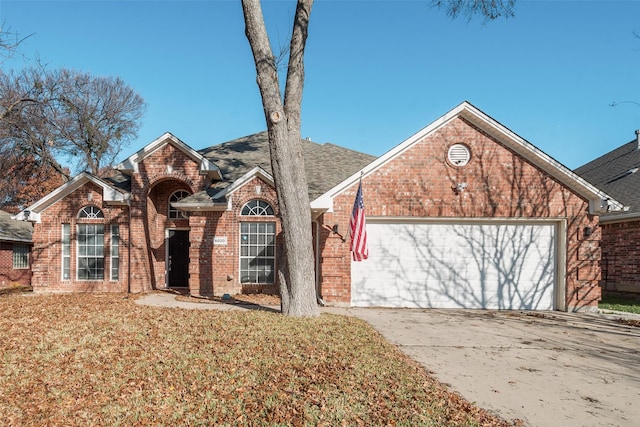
pixel 464 213
pixel 616 173
pixel 15 248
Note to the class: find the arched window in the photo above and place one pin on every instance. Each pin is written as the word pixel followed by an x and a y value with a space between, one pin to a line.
pixel 176 197
pixel 257 245
pixel 91 212
pixel 257 208
pixel 90 245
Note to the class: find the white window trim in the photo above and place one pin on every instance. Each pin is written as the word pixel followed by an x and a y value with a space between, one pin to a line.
pixel 113 245
pixel 66 244
pixel 78 253
pixel 23 253
pixel 241 257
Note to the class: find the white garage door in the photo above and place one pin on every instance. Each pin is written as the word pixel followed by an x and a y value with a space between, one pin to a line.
pixel 457 265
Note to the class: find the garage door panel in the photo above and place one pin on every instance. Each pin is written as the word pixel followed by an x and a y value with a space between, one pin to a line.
pixel 457 265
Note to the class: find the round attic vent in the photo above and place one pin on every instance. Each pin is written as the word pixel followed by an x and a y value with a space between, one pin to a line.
pixel 458 154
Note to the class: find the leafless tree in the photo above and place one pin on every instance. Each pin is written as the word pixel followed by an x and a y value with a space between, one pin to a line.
pixel 296 272
pixel 68 115
pixel 9 41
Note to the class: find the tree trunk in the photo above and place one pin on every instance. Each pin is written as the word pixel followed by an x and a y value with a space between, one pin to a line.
pixel 296 266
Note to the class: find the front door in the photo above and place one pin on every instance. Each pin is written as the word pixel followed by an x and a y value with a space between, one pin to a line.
pixel 178 259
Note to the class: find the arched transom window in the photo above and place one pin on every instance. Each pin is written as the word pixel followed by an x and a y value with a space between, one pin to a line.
pixel 257 208
pixel 176 197
pixel 91 212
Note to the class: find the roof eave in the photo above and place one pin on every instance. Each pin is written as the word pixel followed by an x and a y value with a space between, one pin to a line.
pixel 206 167
pixel 599 201
pixel 621 217
pixel 256 172
pixel 110 195
pixel 15 240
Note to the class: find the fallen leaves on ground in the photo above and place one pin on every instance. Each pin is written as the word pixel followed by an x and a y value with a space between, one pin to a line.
pixel 104 360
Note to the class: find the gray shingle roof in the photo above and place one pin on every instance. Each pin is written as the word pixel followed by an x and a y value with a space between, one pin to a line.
pixel 326 164
pixel 13 230
pixel 617 173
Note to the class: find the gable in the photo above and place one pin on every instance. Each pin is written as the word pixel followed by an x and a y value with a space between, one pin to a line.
pixel 217 198
pixel 110 195
pixel 500 135
pixel 153 149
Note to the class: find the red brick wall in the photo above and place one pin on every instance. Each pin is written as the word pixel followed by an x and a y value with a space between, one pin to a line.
pixel 500 184
pixel 10 276
pixel 142 230
pixel 216 271
pixel 159 175
pixel 620 255
pixel 47 243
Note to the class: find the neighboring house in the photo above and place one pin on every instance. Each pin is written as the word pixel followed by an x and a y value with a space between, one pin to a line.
pixel 464 213
pixel 616 173
pixel 15 247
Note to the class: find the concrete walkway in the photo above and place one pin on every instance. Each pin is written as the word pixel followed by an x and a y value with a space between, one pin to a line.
pixel 544 368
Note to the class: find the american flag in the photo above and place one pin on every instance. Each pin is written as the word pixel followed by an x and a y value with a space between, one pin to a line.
pixel 358 226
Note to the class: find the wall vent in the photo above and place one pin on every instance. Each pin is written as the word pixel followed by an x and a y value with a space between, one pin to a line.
pixel 459 155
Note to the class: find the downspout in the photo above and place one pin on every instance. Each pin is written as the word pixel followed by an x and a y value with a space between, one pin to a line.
pixel 129 248
pixel 317 260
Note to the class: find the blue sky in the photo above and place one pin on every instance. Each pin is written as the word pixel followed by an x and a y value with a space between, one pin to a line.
pixel 377 71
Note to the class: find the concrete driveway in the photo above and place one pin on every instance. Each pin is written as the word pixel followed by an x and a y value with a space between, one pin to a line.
pixel 546 369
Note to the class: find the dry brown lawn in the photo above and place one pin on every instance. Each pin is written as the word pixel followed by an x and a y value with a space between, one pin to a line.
pixel 104 360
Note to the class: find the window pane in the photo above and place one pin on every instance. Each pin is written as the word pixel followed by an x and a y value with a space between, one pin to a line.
pixel 90 252
pixel 176 197
pixel 66 269
pixel 257 252
pixel 115 268
pixel 66 251
pixel 20 256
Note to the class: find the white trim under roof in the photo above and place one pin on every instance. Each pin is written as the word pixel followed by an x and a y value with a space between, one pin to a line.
pixel 206 167
pixel 238 183
pixel 599 201
pixel 110 195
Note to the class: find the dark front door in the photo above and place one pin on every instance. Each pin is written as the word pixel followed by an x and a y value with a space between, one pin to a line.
pixel 178 259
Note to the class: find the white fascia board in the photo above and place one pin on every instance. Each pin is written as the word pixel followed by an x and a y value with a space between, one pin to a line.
pixel 325 201
pixel 253 173
pixel 504 135
pixel 209 169
pixel 206 167
pixel 22 216
pixel 109 193
pixel 541 159
pixel 130 164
